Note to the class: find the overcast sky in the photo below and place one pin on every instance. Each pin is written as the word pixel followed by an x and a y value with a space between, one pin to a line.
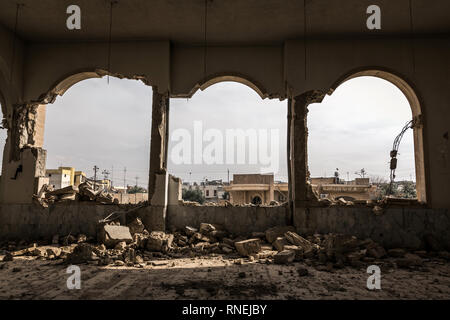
pixel 109 126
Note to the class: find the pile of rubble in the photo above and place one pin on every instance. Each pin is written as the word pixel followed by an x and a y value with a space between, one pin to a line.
pixel 133 245
pixel 86 191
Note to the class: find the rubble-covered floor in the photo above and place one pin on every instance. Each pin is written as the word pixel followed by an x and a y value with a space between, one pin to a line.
pixel 218 277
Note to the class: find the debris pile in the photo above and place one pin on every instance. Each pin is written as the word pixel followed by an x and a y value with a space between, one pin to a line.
pixel 86 191
pixel 133 245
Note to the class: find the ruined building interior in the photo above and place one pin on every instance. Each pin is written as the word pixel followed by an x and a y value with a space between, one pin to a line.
pixel 296 51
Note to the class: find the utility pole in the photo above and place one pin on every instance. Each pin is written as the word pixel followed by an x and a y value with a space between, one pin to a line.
pixel 124 179
pixel 95 176
pixel 112 176
pixel 135 193
pixel 228 172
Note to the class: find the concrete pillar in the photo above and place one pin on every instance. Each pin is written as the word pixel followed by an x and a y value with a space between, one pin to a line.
pixel 23 170
pixel 158 177
pixel 299 146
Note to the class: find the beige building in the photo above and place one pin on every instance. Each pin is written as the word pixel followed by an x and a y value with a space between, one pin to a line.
pixel 358 189
pixel 256 189
pixel 64 177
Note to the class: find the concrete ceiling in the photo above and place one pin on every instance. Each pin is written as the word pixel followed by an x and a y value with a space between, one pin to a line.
pixel 229 21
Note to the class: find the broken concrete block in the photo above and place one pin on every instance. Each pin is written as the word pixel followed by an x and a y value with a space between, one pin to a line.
pixel 284 257
pixel 280 243
pixel 248 247
pixel 81 238
pixel 159 241
pixel 340 243
pixel 298 252
pixel 82 253
pixel 273 233
pixel 121 246
pixel 376 251
pixel 53 251
pixel 297 240
pixel 206 228
pixel 136 226
pixel 111 235
pixel 190 231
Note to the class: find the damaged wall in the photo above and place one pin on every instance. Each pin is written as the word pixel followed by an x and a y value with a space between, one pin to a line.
pixel 31 222
pixel 396 227
pixel 237 220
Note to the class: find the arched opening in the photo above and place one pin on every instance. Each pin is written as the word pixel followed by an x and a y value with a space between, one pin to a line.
pixel 256 200
pixel 206 83
pixel 357 125
pixel 98 133
pixel 226 142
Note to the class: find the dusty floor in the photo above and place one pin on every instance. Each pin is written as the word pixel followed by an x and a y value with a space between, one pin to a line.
pixel 217 278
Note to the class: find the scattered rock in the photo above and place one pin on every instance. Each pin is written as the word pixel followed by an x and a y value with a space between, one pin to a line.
pixel 119 263
pixel 69 240
pixel 284 257
pixel 273 233
pixel 190 231
pixel 248 247
pixel 340 244
pixel 376 251
pixel 81 238
pixel 111 235
pixel 121 246
pixel 206 228
pixel 82 253
pixel 280 243
pixel 298 241
pixel 136 226
pixel 159 241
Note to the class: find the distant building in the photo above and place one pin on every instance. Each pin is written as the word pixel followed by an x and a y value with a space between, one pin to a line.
pixel 256 189
pixel 61 177
pixel 64 177
pixel 212 190
pixel 358 189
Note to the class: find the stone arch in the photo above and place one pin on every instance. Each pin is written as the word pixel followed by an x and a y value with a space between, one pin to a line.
pixel 66 82
pixel 234 77
pixel 417 115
